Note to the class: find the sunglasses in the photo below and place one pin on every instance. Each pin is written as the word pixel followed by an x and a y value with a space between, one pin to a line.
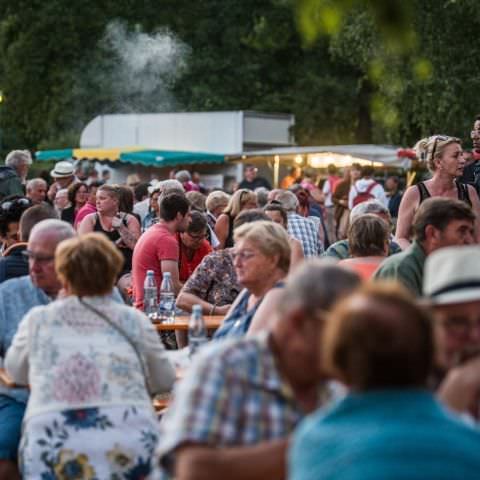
pixel 442 138
pixel 7 205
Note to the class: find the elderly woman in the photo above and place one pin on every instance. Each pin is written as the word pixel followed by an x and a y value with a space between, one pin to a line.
pixel 216 203
pixel 214 284
pixel 77 197
pixel 242 199
pixel 262 260
pixel 121 228
pixel 368 238
pixel 92 366
pixel 444 158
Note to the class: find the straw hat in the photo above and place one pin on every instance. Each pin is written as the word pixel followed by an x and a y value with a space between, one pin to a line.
pixel 62 170
pixel 452 275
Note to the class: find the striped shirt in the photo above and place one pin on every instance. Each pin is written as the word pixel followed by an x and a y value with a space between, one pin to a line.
pixel 232 395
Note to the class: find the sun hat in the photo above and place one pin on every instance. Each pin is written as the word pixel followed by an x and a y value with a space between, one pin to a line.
pixel 62 169
pixel 452 275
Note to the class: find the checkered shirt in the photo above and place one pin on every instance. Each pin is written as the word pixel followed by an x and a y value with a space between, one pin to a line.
pixel 306 232
pixel 232 395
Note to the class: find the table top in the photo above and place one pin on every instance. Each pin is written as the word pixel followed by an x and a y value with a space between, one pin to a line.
pixel 212 322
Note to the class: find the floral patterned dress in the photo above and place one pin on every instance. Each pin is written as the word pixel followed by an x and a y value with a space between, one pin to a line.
pixel 114 443
pixel 89 415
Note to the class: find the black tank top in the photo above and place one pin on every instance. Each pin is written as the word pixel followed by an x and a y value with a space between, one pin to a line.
pixel 113 236
pixel 462 190
pixel 229 240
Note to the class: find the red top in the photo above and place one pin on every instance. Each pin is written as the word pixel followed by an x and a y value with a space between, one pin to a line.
pixel 155 245
pixel 186 266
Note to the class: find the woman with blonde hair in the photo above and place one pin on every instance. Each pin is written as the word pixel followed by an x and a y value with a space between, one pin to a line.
pixel 261 258
pixel 444 158
pixel 242 199
pixel 92 366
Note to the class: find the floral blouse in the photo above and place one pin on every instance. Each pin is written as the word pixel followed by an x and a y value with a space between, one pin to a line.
pixel 72 358
pixel 215 280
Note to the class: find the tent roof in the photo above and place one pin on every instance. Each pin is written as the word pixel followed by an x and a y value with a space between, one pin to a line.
pixel 385 154
pixel 147 157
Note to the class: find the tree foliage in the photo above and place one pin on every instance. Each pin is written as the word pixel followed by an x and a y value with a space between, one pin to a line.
pixel 350 70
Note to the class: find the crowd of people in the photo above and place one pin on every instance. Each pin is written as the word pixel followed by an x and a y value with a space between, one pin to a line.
pixel 350 336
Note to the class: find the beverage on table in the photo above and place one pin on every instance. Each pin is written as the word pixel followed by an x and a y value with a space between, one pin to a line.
pixel 166 305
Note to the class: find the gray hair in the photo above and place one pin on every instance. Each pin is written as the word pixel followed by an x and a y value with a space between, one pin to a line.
pixel 62 230
pixel 288 200
pixel 169 186
pixel 18 157
pixel 34 182
pixel 317 285
pixel 183 176
pixel 371 206
pixel 216 199
pixel 262 196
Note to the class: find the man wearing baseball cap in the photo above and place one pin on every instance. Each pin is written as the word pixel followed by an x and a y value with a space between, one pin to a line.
pixel 63 174
pixel 452 288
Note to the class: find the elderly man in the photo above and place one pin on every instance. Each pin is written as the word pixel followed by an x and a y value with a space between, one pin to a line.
pixel 240 400
pixel 37 190
pixel 17 297
pixel 438 223
pixel 63 174
pixel 452 287
pixel 381 345
pixel 340 249
pixel 13 174
pixel 301 228
pixel 14 263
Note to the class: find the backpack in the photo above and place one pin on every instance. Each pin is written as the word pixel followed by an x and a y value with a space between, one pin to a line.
pixel 364 196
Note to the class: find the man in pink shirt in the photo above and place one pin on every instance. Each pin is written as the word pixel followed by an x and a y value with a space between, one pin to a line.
pixel 91 205
pixel 157 249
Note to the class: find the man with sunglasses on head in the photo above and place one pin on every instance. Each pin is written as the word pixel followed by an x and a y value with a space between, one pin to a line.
pixel 452 289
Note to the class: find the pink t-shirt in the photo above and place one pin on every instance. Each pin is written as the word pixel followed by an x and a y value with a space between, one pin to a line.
pixel 83 212
pixel 155 245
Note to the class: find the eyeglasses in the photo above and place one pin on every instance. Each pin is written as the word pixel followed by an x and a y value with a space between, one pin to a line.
pixel 198 236
pixel 243 256
pixel 460 326
pixel 38 258
pixel 8 204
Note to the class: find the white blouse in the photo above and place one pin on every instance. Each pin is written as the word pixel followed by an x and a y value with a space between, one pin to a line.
pixel 72 358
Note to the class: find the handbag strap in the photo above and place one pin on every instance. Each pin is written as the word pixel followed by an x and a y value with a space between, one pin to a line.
pixel 124 334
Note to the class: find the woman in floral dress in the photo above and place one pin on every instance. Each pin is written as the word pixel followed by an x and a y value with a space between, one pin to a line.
pixel 92 365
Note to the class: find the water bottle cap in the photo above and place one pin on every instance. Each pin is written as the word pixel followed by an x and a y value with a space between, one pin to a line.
pixel 197 308
pixel 149 272
pixel 166 274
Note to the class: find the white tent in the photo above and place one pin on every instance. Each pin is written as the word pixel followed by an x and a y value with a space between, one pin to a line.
pixel 321 156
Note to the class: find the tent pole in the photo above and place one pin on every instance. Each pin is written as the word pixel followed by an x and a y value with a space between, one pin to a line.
pixel 276 170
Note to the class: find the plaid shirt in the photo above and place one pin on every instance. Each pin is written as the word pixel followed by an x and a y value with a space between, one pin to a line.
pixel 306 232
pixel 232 395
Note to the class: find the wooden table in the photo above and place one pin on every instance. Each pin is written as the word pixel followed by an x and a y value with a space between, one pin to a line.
pixel 212 322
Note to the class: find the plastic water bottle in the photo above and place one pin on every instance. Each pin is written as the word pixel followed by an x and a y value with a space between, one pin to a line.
pixel 166 306
pixel 197 332
pixel 150 296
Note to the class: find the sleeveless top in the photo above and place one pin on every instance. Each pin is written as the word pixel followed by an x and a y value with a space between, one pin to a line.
pixel 229 240
pixel 113 236
pixel 462 190
pixel 238 322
